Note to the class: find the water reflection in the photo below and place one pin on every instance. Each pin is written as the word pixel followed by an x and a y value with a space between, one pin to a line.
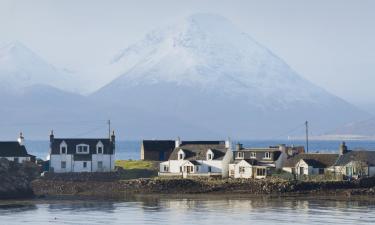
pixel 190 210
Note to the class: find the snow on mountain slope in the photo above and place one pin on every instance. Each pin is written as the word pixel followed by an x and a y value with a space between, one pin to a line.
pixel 207 72
pixel 20 68
pixel 208 51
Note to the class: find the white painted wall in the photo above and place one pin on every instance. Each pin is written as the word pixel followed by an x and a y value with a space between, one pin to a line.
pixel 20 159
pixel 55 163
pixel 248 170
pixel 78 166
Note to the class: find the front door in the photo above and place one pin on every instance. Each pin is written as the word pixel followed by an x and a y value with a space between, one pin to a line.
pixel 301 171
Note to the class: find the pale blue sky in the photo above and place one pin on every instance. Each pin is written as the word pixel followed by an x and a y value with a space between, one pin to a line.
pixel 331 43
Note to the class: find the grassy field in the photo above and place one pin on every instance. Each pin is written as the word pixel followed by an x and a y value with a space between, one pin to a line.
pixel 138 168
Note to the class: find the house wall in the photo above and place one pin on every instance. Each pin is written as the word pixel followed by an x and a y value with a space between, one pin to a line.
pixel 55 163
pixel 108 162
pixel 301 164
pixel 174 166
pixel 225 163
pixel 288 169
pixel 248 170
pixel 20 159
pixel 78 166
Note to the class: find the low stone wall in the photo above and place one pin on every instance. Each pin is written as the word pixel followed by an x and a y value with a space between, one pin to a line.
pixel 194 186
pixel 15 179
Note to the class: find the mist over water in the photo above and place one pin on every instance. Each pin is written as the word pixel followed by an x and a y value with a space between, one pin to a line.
pixel 131 149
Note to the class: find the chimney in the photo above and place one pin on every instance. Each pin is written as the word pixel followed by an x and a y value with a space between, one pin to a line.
pixel 343 148
pixel 238 146
pixel 282 148
pixel 228 143
pixel 178 142
pixel 51 136
pixel 113 137
pixel 21 139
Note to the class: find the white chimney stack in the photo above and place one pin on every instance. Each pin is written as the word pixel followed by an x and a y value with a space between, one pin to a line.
pixel 228 143
pixel 178 142
pixel 21 139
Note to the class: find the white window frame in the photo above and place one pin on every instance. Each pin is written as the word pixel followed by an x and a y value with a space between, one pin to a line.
pixel 253 155
pixel 83 145
pixel 210 155
pixel 181 155
pixel 240 155
pixel 267 155
pixel 63 145
pixel 241 170
pixel 63 162
pixel 99 145
pixel 83 164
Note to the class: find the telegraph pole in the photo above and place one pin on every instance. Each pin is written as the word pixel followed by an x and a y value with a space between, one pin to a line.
pixel 307 136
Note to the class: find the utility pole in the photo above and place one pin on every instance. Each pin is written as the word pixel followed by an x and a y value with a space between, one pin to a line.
pixel 109 128
pixel 307 136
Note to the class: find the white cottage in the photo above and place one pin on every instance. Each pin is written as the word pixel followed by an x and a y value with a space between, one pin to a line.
pixel 82 155
pixel 198 158
pixel 257 162
pixel 15 150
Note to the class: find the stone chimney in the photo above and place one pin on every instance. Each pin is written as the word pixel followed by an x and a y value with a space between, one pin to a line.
pixel 178 142
pixel 282 148
pixel 343 148
pixel 21 139
pixel 228 143
pixel 51 136
pixel 238 146
pixel 113 137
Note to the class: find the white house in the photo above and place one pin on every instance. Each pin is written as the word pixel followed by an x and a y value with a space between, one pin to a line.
pixel 15 150
pixel 82 155
pixel 356 164
pixel 198 158
pixel 257 162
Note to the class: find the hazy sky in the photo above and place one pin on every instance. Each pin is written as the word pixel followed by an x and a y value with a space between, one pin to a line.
pixel 331 43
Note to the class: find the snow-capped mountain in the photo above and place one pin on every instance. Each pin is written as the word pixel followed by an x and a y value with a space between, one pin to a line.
pixel 20 68
pixel 207 72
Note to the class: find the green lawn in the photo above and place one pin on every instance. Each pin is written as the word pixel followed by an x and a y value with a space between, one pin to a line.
pixel 137 164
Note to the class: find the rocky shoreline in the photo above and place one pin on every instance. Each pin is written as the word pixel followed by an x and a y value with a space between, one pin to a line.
pixel 121 188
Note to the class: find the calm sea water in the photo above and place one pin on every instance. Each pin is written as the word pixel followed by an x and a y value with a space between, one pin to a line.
pixel 131 149
pixel 164 211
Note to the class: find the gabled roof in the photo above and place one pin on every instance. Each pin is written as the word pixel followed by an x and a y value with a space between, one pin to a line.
pixel 197 150
pixel 317 160
pixel 158 145
pixel 362 155
pixel 73 142
pixel 12 149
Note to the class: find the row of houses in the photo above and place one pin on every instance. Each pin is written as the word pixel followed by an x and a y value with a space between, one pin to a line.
pixel 68 154
pixel 220 158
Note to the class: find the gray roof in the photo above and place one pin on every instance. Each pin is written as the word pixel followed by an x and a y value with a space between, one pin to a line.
pixel 363 156
pixel 72 143
pixel 13 149
pixel 316 160
pixel 197 150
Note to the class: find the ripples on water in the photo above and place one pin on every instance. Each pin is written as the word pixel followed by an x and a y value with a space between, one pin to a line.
pixel 163 211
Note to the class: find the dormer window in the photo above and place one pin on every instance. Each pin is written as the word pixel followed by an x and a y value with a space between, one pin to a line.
pixel 100 148
pixel 181 155
pixel 253 155
pixel 267 155
pixel 82 149
pixel 210 155
pixel 240 155
pixel 63 148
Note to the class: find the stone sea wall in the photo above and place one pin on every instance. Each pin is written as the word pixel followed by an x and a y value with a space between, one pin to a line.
pixel 15 179
pixel 118 188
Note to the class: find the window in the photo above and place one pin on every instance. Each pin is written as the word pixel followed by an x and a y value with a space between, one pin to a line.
pixel 100 165
pixel 82 149
pixel 16 160
pixel 166 168
pixel 84 164
pixel 241 169
pixel 321 170
pixel 261 172
pixel 100 150
pixel 180 156
pixel 240 155
pixel 267 155
pixel 209 156
pixel 253 155
pixel 180 169
pixel 63 150
pixel 63 165
pixel 209 169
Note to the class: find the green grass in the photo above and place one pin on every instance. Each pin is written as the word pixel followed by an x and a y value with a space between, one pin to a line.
pixel 137 164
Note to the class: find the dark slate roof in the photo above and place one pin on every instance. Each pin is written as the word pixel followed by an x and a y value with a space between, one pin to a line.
pixel 72 143
pixel 194 162
pixel 363 156
pixel 197 150
pixel 275 153
pixel 158 145
pixel 317 160
pixel 12 149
